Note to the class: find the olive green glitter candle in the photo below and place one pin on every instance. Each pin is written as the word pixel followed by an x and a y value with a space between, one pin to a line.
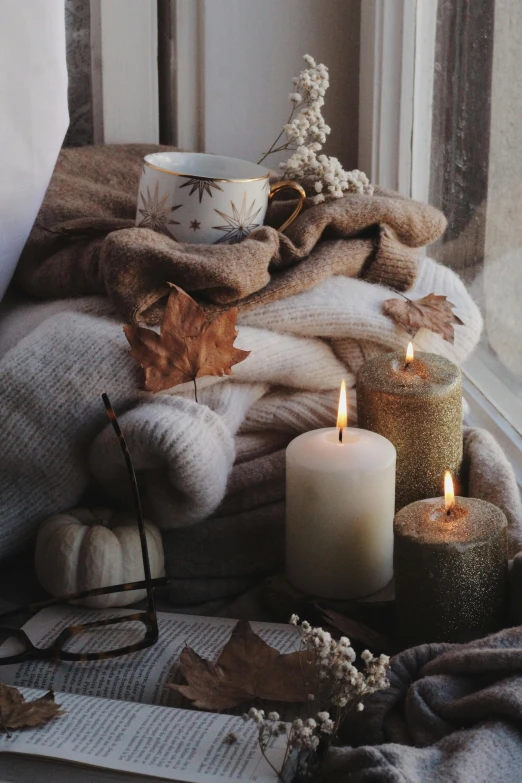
pixel 450 570
pixel 418 407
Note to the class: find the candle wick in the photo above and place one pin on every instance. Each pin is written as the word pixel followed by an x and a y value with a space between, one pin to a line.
pixel 340 434
pixel 407 365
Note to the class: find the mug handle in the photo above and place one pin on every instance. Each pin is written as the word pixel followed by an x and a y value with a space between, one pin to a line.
pixel 276 187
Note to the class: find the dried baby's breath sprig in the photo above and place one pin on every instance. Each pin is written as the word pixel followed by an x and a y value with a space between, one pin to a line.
pixel 305 133
pixel 342 689
pixel 346 685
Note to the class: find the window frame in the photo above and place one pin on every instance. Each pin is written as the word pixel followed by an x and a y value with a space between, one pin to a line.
pixel 396 93
pixel 397 45
pixel 181 85
pixel 395 113
pixel 124 46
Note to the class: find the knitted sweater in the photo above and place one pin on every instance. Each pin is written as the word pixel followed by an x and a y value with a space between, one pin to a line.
pixel 55 436
pixel 84 241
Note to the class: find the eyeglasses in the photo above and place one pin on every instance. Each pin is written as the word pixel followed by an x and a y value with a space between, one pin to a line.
pixel 138 630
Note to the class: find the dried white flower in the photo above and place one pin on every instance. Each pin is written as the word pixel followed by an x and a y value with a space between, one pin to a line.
pixel 257 716
pixel 343 687
pixel 335 661
pixel 306 132
pixel 327 727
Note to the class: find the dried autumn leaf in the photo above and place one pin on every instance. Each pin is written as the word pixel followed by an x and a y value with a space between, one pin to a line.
pixel 432 311
pixel 189 346
pixel 247 669
pixel 17 713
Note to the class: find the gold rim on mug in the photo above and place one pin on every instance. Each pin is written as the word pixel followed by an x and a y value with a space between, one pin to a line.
pixel 196 176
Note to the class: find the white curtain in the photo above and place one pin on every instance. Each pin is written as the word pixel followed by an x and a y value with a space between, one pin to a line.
pixel 33 116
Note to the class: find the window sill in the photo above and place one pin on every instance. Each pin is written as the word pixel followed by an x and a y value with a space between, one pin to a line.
pixel 482 413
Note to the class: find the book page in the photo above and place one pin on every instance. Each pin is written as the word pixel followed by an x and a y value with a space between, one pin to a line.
pixel 138 677
pixel 156 741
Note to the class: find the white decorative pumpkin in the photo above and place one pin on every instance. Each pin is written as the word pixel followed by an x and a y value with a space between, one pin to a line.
pixel 82 549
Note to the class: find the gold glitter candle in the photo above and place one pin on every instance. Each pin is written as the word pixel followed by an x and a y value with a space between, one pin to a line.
pixel 417 405
pixel 450 562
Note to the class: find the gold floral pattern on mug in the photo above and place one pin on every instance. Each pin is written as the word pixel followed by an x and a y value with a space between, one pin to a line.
pixel 202 185
pixel 155 212
pixel 217 200
pixel 239 224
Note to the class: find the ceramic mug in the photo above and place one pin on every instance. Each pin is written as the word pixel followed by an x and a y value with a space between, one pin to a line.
pixel 206 199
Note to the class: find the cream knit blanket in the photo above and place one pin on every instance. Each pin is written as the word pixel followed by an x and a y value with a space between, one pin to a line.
pixel 57 359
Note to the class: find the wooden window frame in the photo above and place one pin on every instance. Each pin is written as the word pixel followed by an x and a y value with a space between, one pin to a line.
pixel 397 70
pixel 181 85
pixel 396 93
pixel 395 114
pixel 124 46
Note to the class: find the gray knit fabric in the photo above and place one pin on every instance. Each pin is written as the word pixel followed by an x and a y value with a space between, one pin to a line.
pixel 492 478
pixel 50 424
pixel 453 713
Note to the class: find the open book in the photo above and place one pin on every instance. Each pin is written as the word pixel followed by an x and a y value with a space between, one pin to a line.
pixel 118 719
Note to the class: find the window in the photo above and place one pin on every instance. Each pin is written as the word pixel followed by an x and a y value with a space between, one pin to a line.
pixel 476 178
pixel 440 119
pixel 456 130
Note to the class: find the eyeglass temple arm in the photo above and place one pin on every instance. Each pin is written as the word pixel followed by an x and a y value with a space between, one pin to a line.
pixel 130 467
pixel 142 585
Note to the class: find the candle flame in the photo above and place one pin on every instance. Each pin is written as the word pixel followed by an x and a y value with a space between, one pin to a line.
pixel 449 493
pixel 342 414
pixel 409 353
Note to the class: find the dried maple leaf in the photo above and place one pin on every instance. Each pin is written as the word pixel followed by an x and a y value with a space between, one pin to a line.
pixel 17 713
pixel 432 311
pixel 247 669
pixel 189 346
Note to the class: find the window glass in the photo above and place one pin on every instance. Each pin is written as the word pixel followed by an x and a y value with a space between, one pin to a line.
pixel 476 178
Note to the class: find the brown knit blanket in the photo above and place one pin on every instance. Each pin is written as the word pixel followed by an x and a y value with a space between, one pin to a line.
pixel 84 242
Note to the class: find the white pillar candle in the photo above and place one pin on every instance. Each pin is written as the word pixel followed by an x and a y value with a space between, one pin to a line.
pixel 340 502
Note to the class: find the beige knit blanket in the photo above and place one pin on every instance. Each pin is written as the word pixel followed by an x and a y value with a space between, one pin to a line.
pixel 84 242
pixel 218 459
